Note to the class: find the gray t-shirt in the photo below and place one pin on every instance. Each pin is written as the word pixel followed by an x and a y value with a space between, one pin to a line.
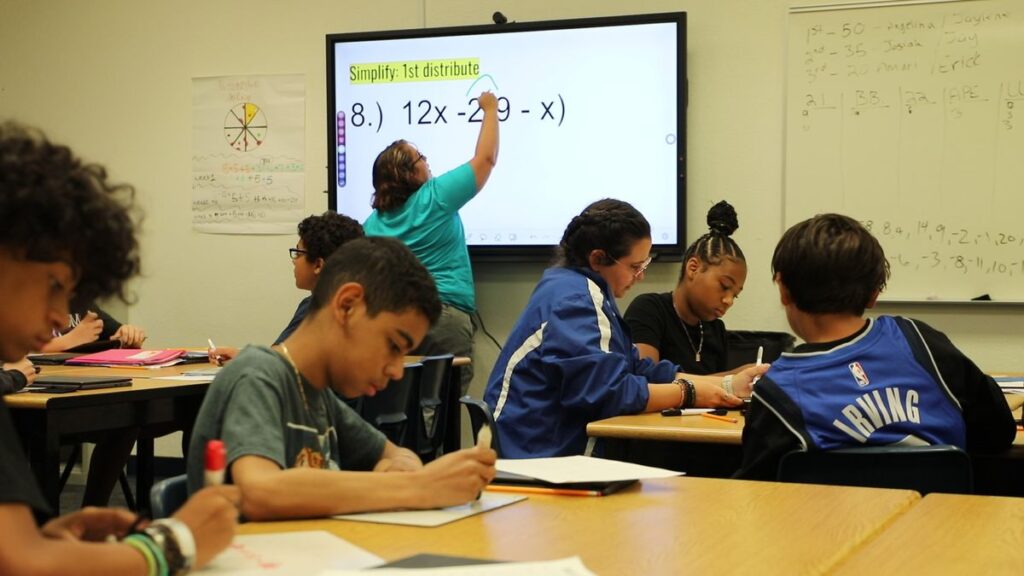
pixel 255 407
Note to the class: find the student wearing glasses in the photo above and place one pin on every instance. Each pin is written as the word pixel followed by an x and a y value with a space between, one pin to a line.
pixel 421 210
pixel 319 236
pixel 685 325
pixel 570 359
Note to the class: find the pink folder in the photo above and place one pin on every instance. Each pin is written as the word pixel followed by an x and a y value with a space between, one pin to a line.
pixel 127 357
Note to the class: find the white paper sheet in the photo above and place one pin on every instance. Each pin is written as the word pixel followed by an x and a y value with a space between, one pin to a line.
pixel 566 469
pixel 564 567
pixel 430 518
pixel 289 553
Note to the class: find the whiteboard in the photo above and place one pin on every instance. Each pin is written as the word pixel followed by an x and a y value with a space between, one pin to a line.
pixel 910 118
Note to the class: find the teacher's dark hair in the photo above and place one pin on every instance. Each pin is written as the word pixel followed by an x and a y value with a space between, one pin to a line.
pixel 394 179
pixel 830 264
pixel 57 208
pixel 609 225
pixel 717 243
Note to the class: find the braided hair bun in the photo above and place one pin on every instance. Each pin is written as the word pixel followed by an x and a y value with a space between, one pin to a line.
pixel 722 219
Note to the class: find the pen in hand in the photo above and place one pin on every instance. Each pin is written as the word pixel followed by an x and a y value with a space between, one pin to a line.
pixel 483 440
pixel 760 357
pixel 214 358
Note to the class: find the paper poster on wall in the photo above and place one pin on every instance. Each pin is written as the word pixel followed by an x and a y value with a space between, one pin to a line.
pixel 248 154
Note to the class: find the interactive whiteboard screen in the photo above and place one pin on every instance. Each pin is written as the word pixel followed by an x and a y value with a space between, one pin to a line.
pixel 589 109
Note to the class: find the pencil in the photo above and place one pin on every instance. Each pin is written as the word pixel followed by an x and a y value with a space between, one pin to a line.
pixel 717 417
pixel 539 490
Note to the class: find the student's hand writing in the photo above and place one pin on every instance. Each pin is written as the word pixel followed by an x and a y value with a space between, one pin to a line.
pixel 212 516
pixel 90 524
pixel 743 381
pixel 88 330
pixel 711 395
pixel 458 477
pixel 221 355
pixel 24 366
pixel 130 336
pixel 488 102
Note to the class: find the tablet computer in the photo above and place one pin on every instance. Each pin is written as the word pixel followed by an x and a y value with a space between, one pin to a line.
pixel 72 382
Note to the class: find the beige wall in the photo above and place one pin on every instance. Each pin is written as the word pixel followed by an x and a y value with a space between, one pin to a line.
pixel 113 79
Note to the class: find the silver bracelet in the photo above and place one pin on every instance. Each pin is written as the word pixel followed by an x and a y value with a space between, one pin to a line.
pixel 727 384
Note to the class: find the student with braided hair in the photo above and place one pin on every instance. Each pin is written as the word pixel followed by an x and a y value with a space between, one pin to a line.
pixel 570 360
pixel 685 325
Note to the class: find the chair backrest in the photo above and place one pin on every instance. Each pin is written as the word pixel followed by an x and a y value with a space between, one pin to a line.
pixel 168 495
pixel 479 415
pixel 435 384
pixel 926 469
pixel 394 409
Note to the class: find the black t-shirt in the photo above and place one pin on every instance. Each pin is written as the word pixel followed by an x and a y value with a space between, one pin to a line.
pixel 17 483
pixel 653 321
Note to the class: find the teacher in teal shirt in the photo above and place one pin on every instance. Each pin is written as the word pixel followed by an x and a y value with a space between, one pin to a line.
pixel 422 211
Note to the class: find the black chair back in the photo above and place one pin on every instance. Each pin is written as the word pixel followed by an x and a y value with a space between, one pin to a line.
pixel 925 469
pixel 435 386
pixel 394 409
pixel 480 415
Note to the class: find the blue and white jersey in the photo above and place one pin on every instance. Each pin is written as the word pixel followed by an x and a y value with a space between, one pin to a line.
pixel 881 388
pixel 568 361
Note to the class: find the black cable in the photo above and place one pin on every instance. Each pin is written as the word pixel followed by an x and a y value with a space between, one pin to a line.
pixel 484 330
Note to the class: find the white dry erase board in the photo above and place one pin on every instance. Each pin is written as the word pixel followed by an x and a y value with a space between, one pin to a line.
pixel 909 116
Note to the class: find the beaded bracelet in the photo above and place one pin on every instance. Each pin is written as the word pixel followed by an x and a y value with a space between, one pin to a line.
pixel 183 541
pixel 163 539
pixel 688 399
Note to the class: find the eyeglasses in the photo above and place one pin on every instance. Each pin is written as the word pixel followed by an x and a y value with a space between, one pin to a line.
pixel 294 253
pixel 638 269
pixel 422 157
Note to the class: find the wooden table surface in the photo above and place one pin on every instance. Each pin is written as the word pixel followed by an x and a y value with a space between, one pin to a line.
pixel 654 426
pixel 668 526
pixel 698 429
pixel 947 534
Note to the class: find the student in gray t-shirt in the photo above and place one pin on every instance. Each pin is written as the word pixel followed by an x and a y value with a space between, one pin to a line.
pixel 294 448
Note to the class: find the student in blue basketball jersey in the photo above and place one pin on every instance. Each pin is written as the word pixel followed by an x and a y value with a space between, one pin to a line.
pixel 856 381
pixel 421 210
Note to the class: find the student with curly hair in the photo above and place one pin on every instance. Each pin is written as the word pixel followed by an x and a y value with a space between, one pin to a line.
pixel 570 360
pixel 422 211
pixel 685 325
pixel 319 236
pixel 67 237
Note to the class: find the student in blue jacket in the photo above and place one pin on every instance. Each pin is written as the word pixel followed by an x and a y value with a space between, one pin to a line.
pixel 570 359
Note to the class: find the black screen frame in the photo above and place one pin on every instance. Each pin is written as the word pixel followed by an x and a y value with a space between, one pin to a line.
pixel 669 252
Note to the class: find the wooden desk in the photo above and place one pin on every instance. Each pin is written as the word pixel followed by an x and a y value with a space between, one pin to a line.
pixel 42 420
pixel 670 526
pixel 947 534
pixel 670 428
pixel 705 447
pixel 696 429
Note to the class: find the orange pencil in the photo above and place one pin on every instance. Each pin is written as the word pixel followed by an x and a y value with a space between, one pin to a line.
pixel 538 490
pixel 717 417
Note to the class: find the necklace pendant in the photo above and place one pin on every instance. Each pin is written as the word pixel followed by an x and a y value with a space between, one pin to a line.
pixel 698 356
